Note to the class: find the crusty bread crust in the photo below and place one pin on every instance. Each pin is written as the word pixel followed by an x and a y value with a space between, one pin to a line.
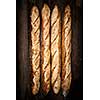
pixel 45 72
pixel 66 50
pixel 35 34
pixel 55 49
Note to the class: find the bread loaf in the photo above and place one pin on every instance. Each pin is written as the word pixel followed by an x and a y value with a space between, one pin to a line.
pixel 35 35
pixel 55 50
pixel 66 51
pixel 45 72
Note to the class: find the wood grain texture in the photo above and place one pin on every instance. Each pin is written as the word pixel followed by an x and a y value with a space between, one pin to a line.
pixel 23 69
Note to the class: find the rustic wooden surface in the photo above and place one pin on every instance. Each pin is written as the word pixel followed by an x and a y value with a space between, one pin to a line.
pixel 23 68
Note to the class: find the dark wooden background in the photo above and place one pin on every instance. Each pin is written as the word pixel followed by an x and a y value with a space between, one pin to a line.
pixel 23 68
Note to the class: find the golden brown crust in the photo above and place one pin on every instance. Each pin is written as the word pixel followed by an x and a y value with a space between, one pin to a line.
pixel 45 49
pixel 66 50
pixel 35 33
pixel 55 50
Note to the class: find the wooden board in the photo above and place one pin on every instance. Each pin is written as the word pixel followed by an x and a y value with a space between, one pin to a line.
pixel 23 68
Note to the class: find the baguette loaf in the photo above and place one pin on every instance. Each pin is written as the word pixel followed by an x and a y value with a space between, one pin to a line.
pixel 35 33
pixel 66 51
pixel 55 50
pixel 45 72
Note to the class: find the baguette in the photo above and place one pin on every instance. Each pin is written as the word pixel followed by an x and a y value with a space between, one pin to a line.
pixel 66 51
pixel 45 49
pixel 55 50
pixel 35 33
